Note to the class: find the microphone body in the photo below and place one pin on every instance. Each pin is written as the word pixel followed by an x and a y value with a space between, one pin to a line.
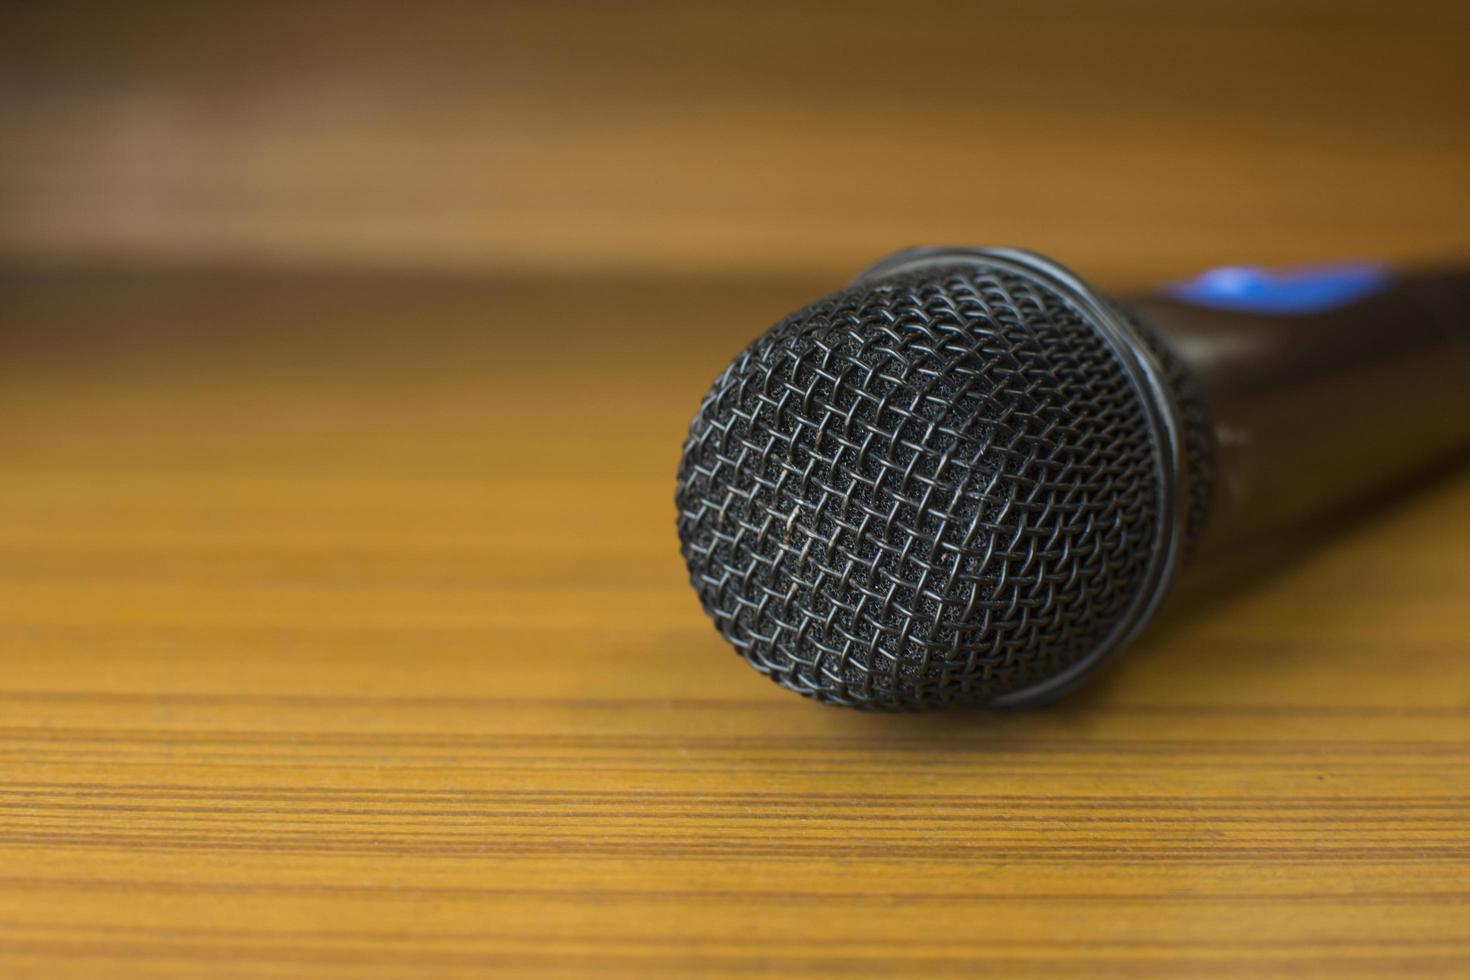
pixel 970 478
pixel 1322 399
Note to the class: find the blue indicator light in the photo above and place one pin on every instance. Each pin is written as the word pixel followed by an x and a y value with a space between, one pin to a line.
pixel 1250 289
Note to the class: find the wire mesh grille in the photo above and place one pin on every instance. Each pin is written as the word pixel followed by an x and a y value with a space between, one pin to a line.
pixel 1196 429
pixel 936 488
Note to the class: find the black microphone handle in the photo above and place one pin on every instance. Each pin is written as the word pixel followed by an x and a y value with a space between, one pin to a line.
pixel 1312 411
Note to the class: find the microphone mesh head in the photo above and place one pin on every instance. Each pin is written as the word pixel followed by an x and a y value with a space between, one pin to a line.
pixel 933 488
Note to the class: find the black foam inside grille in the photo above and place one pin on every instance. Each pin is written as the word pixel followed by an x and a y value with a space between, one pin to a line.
pixel 936 488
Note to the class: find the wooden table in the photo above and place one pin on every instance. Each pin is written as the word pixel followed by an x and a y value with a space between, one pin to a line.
pixel 345 634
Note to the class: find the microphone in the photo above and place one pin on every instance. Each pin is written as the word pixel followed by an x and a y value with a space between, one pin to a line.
pixel 970 478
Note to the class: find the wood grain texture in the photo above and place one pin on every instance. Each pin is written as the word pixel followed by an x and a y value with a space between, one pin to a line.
pixel 1130 137
pixel 343 628
pixel 345 635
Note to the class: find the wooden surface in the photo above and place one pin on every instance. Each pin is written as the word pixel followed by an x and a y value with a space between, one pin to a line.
pixel 345 354
pixel 1131 136
pixel 345 635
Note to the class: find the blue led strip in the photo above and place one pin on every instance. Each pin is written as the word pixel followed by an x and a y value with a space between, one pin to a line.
pixel 1311 289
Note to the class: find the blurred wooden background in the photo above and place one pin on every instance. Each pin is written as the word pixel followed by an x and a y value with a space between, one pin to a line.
pixel 345 355
pixel 1130 138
